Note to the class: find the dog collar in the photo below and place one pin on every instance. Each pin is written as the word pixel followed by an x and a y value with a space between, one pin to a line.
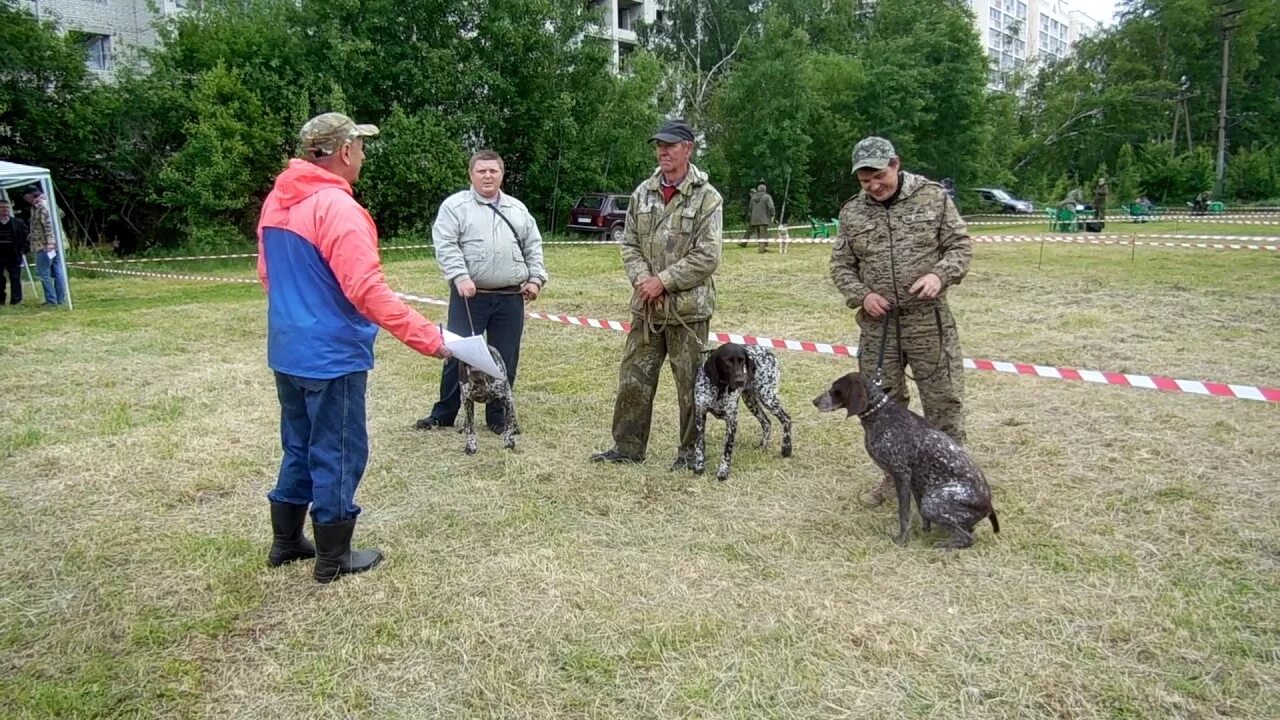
pixel 874 408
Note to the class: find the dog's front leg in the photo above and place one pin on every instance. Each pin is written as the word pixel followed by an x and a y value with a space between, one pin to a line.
pixel 903 483
pixel 469 426
pixel 509 432
pixel 730 438
pixel 699 439
pixel 754 405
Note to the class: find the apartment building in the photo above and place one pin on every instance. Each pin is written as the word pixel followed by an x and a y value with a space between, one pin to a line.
pixel 621 18
pixel 107 27
pixel 1016 33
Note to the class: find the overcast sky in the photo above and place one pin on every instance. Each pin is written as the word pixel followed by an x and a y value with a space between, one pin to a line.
pixel 1100 10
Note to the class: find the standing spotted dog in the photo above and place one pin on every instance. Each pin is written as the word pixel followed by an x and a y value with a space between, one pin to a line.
pixel 734 371
pixel 479 387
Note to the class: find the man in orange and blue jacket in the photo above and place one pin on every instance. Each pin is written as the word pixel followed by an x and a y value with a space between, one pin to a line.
pixel 326 297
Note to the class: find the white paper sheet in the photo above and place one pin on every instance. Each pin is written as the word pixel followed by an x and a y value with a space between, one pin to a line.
pixel 473 351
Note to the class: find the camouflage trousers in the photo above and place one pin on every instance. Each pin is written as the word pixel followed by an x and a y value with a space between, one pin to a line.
pixel 940 381
pixel 638 373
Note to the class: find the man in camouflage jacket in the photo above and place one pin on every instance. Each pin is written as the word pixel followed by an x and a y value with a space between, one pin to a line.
pixel 670 251
pixel 901 245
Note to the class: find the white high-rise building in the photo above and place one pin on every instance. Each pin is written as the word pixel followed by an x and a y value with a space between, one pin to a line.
pixel 621 18
pixel 1018 32
pixel 107 27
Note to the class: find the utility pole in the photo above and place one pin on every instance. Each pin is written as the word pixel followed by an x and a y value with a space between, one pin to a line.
pixel 1229 24
pixel 1181 112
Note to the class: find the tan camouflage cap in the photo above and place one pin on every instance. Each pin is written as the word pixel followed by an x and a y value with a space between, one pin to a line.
pixel 874 153
pixel 326 134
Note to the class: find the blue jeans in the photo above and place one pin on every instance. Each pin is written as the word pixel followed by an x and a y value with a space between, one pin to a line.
pixel 500 318
pixel 50 272
pixel 326 444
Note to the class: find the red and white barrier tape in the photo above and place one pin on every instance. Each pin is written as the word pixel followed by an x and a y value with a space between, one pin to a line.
pixel 1124 221
pixel 1150 382
pixel 1242 242
pixel 130 261
pixel 1122 240
pixel 170 276
pixel 1246 242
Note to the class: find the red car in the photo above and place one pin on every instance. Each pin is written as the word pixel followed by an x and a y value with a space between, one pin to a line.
pixel 600 213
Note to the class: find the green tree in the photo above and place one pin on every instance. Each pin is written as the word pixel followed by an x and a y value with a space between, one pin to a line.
pixel 213 181
pixel 763 120
pixel 410 169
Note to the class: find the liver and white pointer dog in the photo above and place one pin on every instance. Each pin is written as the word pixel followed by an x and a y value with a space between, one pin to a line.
pixel 925 462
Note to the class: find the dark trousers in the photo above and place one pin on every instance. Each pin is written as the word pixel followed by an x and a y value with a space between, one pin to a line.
pixel 500 318
pixel 13 268
pixel 326 444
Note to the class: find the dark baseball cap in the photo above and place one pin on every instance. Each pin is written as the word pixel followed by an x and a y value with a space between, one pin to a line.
pixel 673 131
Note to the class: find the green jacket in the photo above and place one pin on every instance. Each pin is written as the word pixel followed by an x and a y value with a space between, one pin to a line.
pixel 679 242
pixel 885 250
pixel 761 208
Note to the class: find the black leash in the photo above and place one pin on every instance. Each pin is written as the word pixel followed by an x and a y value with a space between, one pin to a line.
pixel 895 315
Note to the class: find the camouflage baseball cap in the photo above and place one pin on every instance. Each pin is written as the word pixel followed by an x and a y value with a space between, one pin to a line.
pixel 873 153
pixel 327 133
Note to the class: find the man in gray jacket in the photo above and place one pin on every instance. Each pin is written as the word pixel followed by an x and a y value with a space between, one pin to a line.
pixel 760 217
pixel 489 249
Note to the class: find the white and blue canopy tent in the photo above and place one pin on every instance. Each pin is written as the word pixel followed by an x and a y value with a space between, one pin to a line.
pixel 14 175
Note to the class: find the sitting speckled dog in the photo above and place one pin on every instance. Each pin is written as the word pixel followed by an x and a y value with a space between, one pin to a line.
pixel 925 462
pixel 480 387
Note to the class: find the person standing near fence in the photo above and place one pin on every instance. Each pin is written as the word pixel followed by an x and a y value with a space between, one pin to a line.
pixel 902 244
pixel 44 241
pixel 489 249
pixel 761 216
pixel 670 252
pixel 326 297
pixel 13 248
pixel 1100 197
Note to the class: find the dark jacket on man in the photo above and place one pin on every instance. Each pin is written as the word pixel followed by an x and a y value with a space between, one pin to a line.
pixel 14 240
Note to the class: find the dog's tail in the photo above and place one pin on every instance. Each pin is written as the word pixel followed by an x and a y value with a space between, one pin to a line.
pixel 995 522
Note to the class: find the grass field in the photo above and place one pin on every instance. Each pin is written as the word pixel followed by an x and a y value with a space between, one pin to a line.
pixel 1137 574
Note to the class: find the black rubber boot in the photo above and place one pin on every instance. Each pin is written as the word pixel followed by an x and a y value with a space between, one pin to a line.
pixel 288 544
pixel 334 556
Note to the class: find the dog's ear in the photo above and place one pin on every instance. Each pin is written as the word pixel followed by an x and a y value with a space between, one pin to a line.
pixel 712 368
pixel 855 395
pixel 463 372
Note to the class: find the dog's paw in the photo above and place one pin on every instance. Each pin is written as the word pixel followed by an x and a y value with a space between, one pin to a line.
pixel 900 540
pixel 723 474
pixel 470 450
pixel 698 469
pixel 786 450
pixel 510 444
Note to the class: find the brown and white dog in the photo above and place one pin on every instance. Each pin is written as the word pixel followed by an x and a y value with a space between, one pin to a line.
pixel 737 371
pixel 948 487
pixel 480 387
